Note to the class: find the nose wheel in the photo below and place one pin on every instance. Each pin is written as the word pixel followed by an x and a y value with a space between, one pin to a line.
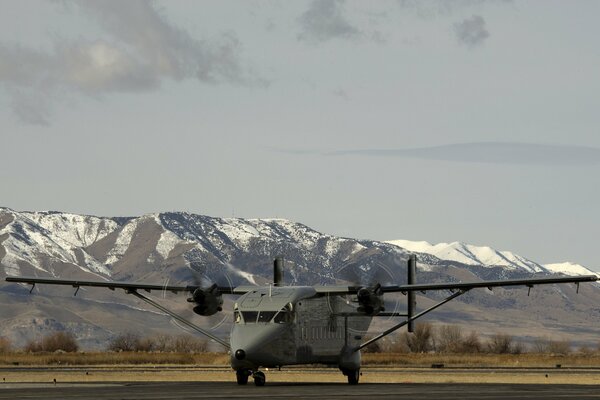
pixel 242 376
pixel 259 378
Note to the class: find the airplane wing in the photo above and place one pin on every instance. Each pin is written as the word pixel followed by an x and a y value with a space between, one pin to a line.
pixel 333 289
pixel 340 289
pixel 212 295
pixel 112 285
pixel 488 284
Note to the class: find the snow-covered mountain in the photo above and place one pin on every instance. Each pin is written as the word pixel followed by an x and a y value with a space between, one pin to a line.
pixel 485 256
pixel 569 268
pixel 176 247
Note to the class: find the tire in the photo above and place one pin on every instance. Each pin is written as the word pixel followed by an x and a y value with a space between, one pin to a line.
pixel 353 376
pixel 259 378
pixel 242 376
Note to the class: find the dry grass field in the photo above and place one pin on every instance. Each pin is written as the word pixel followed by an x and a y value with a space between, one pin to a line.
pixel 105 367
pixel 86 374
pixel 394 360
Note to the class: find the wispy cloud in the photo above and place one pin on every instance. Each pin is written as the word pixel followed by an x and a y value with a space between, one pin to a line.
pixel 325 20
pixel 472 31
pixel 436 8
pixel 139 49
pixel 494 153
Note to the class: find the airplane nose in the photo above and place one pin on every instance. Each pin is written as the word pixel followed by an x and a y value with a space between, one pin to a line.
pixel 240 354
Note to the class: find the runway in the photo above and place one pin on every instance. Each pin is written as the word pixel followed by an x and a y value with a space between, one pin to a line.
pixel 221 390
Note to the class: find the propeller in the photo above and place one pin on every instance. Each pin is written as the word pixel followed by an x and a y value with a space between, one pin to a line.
pixel 370 274
pixel 206 299
pixel 209 277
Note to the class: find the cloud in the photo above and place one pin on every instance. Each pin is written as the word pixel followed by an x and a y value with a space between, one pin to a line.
pixel 493 153
pixel 140 50
pixel 325 20
pixel 340 92
pixel 471 31
pixel 437 8
pixel 30 109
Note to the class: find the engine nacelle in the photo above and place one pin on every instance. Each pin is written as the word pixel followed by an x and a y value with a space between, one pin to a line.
pixel 208 301
pixel 370 300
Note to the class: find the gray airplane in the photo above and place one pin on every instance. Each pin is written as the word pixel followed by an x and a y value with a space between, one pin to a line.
pixel 279 325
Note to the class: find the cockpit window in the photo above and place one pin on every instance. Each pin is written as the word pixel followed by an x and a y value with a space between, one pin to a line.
pixel 285 315
pixel 266 316
pixel 250 316
pixel 282 317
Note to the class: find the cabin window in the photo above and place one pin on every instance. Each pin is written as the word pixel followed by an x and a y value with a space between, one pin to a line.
pixel 250 316
pixel 266 316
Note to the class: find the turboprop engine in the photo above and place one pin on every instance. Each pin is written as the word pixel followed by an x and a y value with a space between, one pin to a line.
pixel 370 299
pixel 208 301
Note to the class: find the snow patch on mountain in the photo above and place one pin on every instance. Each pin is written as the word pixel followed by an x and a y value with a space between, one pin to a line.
pixel 471 255
pixel 238 230
pixel 167 241
pixel 123 240
pixel 569 268
pixel 26 242
pixel 78 230
pixel 93 265
pixel 31 242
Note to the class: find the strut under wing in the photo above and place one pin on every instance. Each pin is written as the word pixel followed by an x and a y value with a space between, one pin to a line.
pixel 461 288
pixel 132 289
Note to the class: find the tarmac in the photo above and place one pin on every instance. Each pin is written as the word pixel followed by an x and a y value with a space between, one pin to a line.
pixel 278 390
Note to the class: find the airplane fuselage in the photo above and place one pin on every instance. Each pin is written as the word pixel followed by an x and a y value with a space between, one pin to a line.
pixel 276 326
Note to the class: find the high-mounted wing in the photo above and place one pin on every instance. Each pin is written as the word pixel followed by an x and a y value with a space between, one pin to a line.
pixel 111 284
pixel 488 284
pixel 423 287
pixel 208 300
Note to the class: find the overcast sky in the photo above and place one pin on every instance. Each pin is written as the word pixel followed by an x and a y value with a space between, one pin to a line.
pixel 449 120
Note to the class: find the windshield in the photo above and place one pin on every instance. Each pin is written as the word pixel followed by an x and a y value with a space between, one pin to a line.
pixel 282 316
pixel 250 316
pixel 266 316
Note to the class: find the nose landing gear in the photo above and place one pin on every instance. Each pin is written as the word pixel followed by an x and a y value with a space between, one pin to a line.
pixel 242 376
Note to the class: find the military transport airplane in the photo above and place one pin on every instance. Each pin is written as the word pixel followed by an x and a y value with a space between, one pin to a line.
pixel 279 325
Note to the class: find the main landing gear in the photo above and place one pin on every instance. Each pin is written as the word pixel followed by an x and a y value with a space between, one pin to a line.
pixel 242 376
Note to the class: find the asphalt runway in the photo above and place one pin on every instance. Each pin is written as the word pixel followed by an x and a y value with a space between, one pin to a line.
pixel 220 390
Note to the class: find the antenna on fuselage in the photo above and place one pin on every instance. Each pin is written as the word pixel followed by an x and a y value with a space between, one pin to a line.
pixel 411 295
pixel 278 271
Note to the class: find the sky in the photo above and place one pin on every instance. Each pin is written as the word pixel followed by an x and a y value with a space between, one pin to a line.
pixel 442 120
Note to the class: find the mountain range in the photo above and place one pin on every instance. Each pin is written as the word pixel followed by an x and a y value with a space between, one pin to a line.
pixel 485 256
pixel 179 248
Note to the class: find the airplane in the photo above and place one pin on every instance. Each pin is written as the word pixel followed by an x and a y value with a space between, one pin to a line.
pixel 276 325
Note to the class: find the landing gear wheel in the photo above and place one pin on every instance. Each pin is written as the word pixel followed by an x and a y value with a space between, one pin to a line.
pixel 353 376
pixel 259 378
pixel 242 376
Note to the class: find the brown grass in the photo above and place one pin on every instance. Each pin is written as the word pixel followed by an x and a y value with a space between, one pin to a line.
pixel 85 374
pixel 121 358
pixel 481 360
pixel 369 359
